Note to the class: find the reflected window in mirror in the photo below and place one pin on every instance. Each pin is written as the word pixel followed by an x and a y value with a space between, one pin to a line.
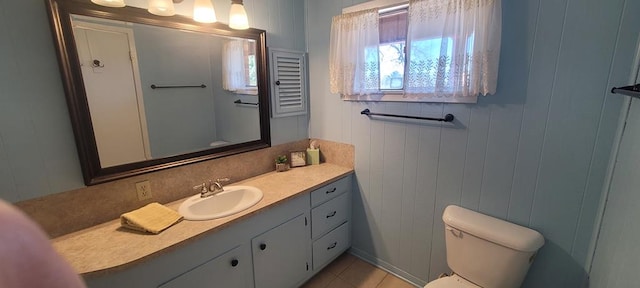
pixel 239 66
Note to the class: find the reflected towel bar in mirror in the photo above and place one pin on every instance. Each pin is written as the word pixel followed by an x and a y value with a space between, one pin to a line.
pixel 154 86
pixel 447 118
pixel 246 103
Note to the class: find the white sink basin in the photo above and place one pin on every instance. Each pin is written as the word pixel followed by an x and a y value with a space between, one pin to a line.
pixel 232 200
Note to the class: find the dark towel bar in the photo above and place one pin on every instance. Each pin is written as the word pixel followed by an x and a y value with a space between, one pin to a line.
pixel 447 118
pixel 245 103
pixel 633 90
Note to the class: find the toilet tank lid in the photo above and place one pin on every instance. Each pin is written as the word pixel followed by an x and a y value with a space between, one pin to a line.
pixel 493 229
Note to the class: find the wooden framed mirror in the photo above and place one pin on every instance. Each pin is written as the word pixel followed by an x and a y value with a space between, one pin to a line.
pixel 147 92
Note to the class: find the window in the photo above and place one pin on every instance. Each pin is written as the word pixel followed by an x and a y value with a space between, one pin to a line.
pixel 426 51
pixel 432 57
pixel 251 74
pixel 393 37
pixel 239 67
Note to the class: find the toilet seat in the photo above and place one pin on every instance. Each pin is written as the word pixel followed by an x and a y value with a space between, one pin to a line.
pixel 453 281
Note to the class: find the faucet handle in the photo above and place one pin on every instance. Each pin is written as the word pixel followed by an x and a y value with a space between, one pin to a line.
pixel 202 187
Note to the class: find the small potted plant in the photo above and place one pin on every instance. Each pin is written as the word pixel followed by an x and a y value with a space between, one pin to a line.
pixel 281 163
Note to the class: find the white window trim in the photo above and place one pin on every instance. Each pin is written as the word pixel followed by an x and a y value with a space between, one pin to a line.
pixel 402 97
pixel 375 4
pixel 247 91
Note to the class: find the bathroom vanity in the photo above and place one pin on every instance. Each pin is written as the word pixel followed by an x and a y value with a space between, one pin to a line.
pixel 301 224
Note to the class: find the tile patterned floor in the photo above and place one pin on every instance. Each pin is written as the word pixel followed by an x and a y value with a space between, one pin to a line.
pixel 348 271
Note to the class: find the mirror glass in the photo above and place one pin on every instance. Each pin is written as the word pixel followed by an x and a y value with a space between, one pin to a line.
pixel 148 92
pixel 156 92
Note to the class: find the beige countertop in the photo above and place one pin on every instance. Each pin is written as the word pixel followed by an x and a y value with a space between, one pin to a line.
pixel 108 247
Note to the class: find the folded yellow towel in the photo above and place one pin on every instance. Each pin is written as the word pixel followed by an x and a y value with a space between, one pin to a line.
pixel 151 218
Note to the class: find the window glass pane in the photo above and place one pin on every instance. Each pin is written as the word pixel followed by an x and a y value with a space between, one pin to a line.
pixel 371 70
pixel 431 62
pixel 391 66
pixel 253 77
pixel 393 33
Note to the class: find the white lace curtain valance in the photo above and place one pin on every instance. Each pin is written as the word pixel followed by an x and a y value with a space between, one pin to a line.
pixel 353 56
pixel 452 49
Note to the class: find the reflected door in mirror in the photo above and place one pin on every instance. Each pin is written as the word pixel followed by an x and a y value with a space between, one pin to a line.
pixel 107 56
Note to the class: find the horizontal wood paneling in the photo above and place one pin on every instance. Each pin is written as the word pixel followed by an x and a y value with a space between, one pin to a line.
pixel 532 154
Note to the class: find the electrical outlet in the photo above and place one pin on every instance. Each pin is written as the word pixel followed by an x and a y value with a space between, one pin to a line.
pixel 144 190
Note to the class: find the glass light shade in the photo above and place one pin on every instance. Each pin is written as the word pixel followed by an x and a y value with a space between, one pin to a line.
pixel 109 3
pixel 161 7
pixel 238 17
pixel 203 11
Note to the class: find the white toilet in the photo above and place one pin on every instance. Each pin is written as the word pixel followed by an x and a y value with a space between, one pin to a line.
pixel 484 251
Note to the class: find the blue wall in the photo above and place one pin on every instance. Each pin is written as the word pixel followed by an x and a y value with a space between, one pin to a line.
pixel 536 153
pixel 178 120
pixel 37 149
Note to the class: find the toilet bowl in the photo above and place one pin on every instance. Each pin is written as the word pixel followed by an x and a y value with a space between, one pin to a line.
pixel 453 281
pixel 486 252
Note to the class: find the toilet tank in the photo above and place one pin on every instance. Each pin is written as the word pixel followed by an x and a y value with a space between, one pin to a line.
pixel 488 251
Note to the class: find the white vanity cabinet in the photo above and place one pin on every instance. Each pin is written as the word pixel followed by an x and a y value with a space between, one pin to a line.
pixel 281 246
pixel 230 270
pixel 281 256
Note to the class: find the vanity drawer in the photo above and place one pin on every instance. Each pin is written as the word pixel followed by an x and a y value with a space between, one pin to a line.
pixel 329 191
pixel 330 214
pixel 331 245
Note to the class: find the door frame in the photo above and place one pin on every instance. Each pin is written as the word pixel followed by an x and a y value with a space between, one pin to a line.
pixel 82 22
pixel 634 77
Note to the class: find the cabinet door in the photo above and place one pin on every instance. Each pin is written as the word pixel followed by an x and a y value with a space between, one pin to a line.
pixel 288 81
pixel 230 270
pixel 281 255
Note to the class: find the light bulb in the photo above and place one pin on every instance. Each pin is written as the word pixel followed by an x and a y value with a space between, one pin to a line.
pixel 161 7
pixel 110 3
pixel 238 17
pixel 203 11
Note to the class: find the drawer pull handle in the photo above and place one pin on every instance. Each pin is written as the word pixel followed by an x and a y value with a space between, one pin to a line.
pixel 234 262
pixel 332 214
pixel 332 246
pixel 331 191
pixel 263 246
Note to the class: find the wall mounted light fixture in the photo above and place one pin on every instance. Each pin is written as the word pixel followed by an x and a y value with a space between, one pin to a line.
pixel 161 7
pixel 238 16
pixel 203 10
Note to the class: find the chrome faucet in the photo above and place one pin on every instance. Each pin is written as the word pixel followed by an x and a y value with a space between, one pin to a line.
pixel 215 187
